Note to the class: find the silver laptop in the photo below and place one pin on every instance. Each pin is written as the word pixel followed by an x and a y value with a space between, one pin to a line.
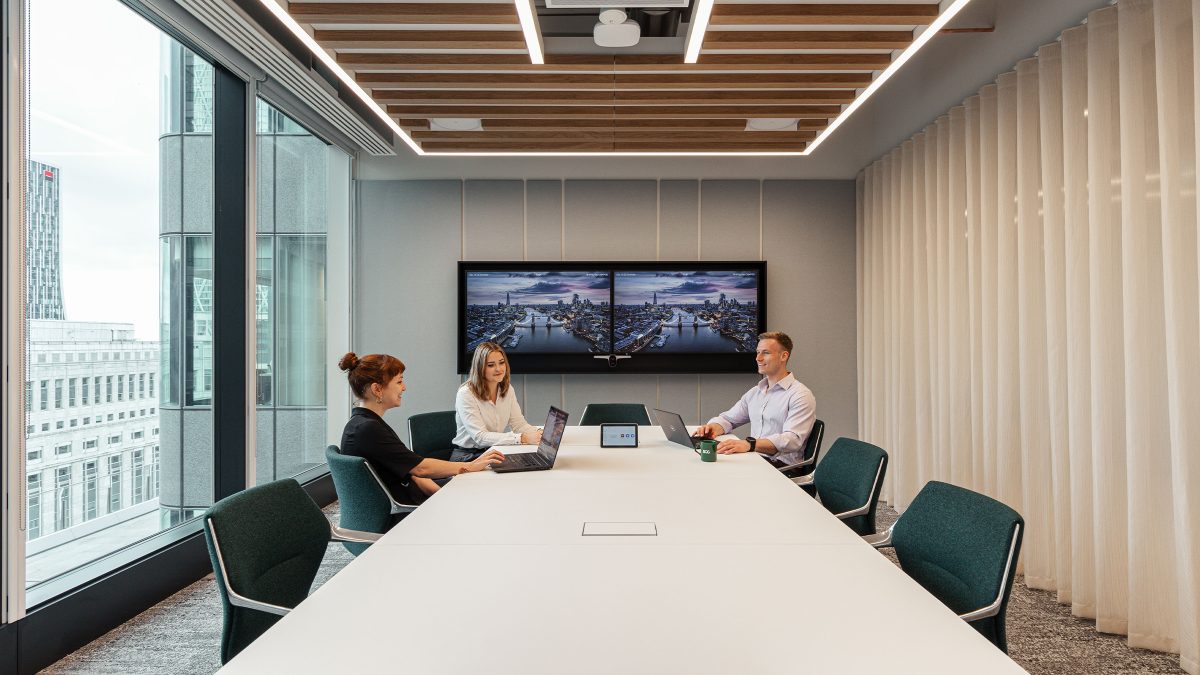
pixel 673 426
pixel 552 433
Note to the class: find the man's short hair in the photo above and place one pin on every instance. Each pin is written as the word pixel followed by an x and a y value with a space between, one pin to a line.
pixel 782 338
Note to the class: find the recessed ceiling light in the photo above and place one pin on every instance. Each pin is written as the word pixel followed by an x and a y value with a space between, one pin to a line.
pixel 772 124
pixel 455 124
pixel 527 13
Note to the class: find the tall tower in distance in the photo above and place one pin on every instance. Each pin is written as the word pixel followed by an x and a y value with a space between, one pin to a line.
pixel 43 260
pixel 507 300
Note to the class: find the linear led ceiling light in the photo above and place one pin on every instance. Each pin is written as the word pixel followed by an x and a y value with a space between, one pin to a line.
pixel 925 36
pixel 281 14
pixel 529 26
pixel 701 12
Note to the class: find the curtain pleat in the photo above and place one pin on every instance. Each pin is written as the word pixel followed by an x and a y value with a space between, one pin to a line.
pixel 1110 499
pixel 1029 311
pixel 1037 475
pixel 1054 269
pixel 1154 615
pixel 1176 56
pixel 1079 357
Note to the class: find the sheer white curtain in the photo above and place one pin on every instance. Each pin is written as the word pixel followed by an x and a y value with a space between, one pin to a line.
pixel 1029 303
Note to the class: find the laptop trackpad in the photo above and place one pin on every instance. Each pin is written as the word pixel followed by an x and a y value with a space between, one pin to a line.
pixel 602 529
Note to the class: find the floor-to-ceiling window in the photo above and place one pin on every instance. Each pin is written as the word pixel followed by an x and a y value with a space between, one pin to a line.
pixel 300 192
pixel 118 263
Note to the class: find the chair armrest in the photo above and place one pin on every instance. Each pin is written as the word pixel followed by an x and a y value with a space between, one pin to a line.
pixel 994 608
pixel 799 465
pixel 353 536
pixel 803 480
pixel 880 540
pixel 397 507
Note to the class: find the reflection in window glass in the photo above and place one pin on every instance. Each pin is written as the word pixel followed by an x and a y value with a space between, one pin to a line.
pixel 118 243
pixel 295 171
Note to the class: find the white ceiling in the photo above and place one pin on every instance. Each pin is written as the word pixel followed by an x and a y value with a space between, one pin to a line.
pixel 950 68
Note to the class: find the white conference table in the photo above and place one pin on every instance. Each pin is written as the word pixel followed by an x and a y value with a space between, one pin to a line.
pixel 747 574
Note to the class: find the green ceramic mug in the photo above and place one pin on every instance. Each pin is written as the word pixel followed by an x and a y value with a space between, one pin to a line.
pixel 707 451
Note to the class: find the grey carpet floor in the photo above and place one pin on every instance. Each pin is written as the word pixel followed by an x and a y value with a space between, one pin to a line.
pixel 182 634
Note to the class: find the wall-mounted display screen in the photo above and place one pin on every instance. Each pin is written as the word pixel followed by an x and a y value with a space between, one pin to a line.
pixel 661 317
pixel 685 312
pixel 539 311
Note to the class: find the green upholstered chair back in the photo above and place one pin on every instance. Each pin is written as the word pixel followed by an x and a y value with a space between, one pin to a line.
pixel 432 434
pixel 595 414
pixel 363 502
pixel 956 543
pixel 850 477
pixel 272 538
pixel 812 447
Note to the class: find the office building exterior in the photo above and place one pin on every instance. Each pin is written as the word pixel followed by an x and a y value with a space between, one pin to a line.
pixel 43 257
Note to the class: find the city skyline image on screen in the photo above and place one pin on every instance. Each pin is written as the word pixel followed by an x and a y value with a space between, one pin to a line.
pixel 539 312
pixel 680 312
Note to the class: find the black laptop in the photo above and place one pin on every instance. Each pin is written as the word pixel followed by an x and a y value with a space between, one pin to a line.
pixel 547 450
pixel 673 426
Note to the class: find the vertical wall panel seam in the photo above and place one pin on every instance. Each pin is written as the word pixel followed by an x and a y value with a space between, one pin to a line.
pixel 760 218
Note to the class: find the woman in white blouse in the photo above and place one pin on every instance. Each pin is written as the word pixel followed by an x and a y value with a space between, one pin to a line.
pixel 486 407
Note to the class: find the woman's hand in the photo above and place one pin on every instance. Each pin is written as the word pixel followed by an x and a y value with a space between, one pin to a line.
pixel 482 462
pixel 532 437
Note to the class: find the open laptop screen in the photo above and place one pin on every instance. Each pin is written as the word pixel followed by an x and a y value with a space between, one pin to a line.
pixel 556 423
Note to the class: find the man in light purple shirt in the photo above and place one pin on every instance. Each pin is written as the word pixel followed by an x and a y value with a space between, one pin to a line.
pixel 779 409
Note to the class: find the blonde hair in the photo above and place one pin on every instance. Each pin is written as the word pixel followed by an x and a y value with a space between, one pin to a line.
pixel 477 381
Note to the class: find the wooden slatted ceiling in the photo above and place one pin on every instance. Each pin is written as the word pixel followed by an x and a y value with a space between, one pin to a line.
pixel 801 60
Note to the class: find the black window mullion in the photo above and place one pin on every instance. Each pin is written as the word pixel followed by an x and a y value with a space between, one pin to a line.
pixel 229 283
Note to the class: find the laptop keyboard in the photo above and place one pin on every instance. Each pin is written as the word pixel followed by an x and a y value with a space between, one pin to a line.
pixel 523 459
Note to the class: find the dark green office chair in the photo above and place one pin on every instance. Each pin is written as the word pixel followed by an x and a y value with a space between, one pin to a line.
pixel 432 434
pixel 962 547
pixel 266 544
pixel 849 481
pixel 365 502
pixel 595 414
pixel 808 459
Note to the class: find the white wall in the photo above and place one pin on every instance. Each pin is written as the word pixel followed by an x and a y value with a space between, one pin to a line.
pixel 411 233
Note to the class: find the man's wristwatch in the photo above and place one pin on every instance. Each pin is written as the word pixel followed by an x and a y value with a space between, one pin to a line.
pixel 752 441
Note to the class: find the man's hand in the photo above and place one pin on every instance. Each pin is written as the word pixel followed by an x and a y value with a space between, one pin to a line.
pixel 710 430
pixel 733 446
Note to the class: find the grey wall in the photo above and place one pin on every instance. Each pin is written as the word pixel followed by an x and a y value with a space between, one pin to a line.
pixel 411 233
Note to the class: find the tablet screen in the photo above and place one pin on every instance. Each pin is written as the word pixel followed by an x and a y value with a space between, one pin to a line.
pixel 618 436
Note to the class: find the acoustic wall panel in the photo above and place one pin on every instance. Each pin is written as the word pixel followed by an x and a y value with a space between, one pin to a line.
pixel 610 219
pixel 405 286
pixel 681 394
pixel 729 220
pixel 584 389
pixel 679 220
pixel 543 220
pixel 805 218
pixel 493 220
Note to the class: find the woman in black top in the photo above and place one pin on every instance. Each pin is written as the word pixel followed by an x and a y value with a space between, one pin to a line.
pixel 377 381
